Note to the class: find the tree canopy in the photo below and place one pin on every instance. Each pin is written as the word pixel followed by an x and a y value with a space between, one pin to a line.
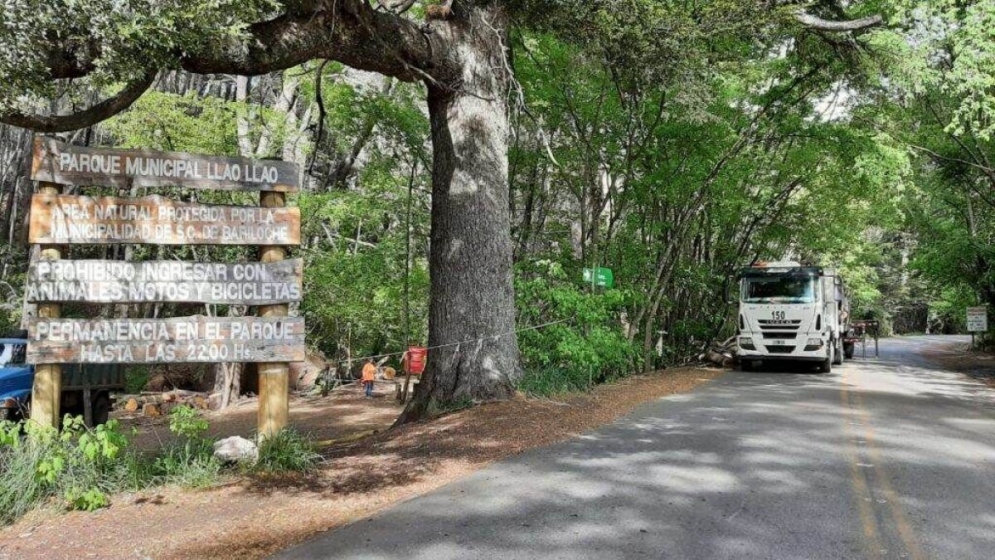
pixel 531 139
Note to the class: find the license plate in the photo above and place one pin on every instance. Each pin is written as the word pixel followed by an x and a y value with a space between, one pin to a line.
pixel 780 343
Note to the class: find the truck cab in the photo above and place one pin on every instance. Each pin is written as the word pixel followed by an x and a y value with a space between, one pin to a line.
pixel 790 312
pixel 87 390
pixel 16 377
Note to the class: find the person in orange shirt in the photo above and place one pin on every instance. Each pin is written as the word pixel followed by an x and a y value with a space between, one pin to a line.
pixel 369 374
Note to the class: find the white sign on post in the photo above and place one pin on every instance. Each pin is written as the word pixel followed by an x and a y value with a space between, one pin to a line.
pixel 977 319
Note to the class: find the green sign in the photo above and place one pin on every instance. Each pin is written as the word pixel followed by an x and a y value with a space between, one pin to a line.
pixel 604 277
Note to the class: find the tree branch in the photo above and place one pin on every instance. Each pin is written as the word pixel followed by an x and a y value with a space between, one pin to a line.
pixel 99 112
pixel 819 24
pixel 349 31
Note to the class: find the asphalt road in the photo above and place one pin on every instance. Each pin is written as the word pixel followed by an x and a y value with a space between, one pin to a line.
pixel 882 458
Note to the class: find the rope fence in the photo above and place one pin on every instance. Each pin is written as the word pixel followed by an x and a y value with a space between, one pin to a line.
pixel 379 357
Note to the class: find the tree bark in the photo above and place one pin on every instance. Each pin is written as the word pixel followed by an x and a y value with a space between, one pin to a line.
pixel 473 352
pixel 462 57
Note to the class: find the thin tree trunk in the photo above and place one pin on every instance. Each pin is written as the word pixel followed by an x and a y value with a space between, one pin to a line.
pixel 243 118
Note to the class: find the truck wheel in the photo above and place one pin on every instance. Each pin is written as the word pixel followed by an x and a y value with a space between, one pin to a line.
pixel 101 409
pixel 826 365
pixel 837 355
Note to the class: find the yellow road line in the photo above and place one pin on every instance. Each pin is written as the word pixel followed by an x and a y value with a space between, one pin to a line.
pixel 873 545
pixel 905 531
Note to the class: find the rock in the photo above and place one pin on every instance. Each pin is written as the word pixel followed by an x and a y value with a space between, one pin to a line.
pixel 236 450
pixel 131 405
pixel 304 375
pixel 214 401
pixel 151 410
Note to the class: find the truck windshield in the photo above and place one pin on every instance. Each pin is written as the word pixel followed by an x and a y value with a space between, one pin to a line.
pixel 784 289
pixel 11 353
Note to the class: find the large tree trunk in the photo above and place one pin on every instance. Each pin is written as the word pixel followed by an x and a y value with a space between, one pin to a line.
pixel 474 351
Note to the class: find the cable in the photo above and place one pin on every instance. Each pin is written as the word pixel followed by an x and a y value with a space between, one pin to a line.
pixel 477 340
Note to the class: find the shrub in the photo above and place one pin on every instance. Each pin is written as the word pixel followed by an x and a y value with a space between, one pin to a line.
pixel 288 451
pixel 585 348
pixel 78 465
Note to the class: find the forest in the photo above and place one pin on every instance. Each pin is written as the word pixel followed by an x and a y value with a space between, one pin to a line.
pixel 464 162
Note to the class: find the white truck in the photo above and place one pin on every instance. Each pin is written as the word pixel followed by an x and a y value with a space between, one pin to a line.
pixel 790 312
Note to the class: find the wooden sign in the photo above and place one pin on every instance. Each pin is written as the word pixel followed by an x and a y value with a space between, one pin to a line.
pixel 62 219
pixel 56 162
pixel 150 341
pixel 97 281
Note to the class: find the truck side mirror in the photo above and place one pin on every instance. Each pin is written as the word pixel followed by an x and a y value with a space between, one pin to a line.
pixel 730 282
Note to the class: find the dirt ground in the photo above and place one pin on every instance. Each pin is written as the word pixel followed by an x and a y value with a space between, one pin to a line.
pixel 253 518
pixel 959 357
pixel 344 412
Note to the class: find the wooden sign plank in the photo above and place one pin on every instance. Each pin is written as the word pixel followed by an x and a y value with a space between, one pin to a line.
pixel 56 162
pixel 62 219
pixel 100 281
pixel 157 341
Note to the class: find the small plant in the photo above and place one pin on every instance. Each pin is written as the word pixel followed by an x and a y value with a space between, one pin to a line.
pixel 101 444
pixel 186 423
pixel 86 500
pixel 10 434
pixel 191 462
pixel 288 451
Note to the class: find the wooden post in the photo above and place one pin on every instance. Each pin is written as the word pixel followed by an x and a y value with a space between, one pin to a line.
pixel 274 378
pixel 46 391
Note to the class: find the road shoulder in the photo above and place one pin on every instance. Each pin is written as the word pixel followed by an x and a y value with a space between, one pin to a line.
pixel 358 479
pixel 958 356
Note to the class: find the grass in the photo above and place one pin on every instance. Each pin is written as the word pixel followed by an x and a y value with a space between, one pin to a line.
pixel 80 468
pixel 21 490
pixel 184 465
pixel 551 381
pixel 288 451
